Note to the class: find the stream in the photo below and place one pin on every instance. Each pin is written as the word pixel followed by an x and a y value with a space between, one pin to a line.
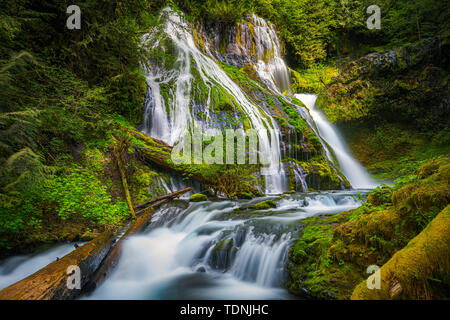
pixel 208 251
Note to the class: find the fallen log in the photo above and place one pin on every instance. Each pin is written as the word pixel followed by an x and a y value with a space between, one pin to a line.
pixel 169 196
pixel 124 182
pixel 51 281
pixel 159 153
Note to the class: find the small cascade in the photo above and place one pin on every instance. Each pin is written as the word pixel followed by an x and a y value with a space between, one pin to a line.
pixel 261 259
pixel 300 178
pixel 270 66
pixel 355 173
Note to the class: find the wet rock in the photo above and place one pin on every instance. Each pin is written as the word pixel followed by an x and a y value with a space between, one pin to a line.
pixel 223 254
pixel 197 197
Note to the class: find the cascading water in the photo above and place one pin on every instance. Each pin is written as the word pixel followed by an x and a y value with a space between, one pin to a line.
pixel 202 251
pixel 355 173
pixel 171 119
pixel 207 251
pixel 270 65
pixel 18 267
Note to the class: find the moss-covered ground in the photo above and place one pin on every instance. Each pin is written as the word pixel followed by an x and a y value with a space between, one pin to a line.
pixel 334 251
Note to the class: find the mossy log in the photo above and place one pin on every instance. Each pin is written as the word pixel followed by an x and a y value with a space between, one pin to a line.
pixel 50 282
pixel 124 182
pixel 414 271
pixel 159 153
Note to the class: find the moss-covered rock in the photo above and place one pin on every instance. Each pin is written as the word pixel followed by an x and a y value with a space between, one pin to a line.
pixel 197 197
pixel 262 205
pixel 421 270
pixel 331 256
pixel 265 205
pixel 223 253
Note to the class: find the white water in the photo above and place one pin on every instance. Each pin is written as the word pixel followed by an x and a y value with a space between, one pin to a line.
pixel 273 72
pixel 171 123
pixel 350 167
pixel 175 258
pixel 19 267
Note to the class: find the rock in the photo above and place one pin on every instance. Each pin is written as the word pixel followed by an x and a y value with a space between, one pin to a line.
pixel 197 197
pixel 265 205
pixel 223 254
pixel 245 195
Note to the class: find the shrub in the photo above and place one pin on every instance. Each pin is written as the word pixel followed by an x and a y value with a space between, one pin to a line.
pixel 80 194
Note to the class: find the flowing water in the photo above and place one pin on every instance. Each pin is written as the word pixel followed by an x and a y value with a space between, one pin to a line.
pixel 207 251
pixel 273 71
pixel 16 268
pixel 352 169
pixel 172 119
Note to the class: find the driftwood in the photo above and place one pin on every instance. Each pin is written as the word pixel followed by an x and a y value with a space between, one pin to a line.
pixel 96 259
pixel 50 282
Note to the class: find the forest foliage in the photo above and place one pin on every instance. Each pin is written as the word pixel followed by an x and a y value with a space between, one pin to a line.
pixel 315 30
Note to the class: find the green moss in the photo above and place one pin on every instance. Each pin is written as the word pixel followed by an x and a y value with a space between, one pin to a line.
pixel 224 245
pixel 312 266
pixel 245 195
pixel 240 77
pixel 334 251
pixel 265 205
pixel 197 197
pixel 312 80
pixel 421 270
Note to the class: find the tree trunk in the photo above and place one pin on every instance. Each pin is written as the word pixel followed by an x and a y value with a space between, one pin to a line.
pixel 124 182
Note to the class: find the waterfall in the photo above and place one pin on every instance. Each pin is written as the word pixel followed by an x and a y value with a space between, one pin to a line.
pixel 300 177
pixel 270 66
pixel 354 172
pixel 261 259
pixel 168 114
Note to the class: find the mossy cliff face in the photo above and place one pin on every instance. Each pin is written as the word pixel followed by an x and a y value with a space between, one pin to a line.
pixel 332 255
pixel 406 84
pixel 236 44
